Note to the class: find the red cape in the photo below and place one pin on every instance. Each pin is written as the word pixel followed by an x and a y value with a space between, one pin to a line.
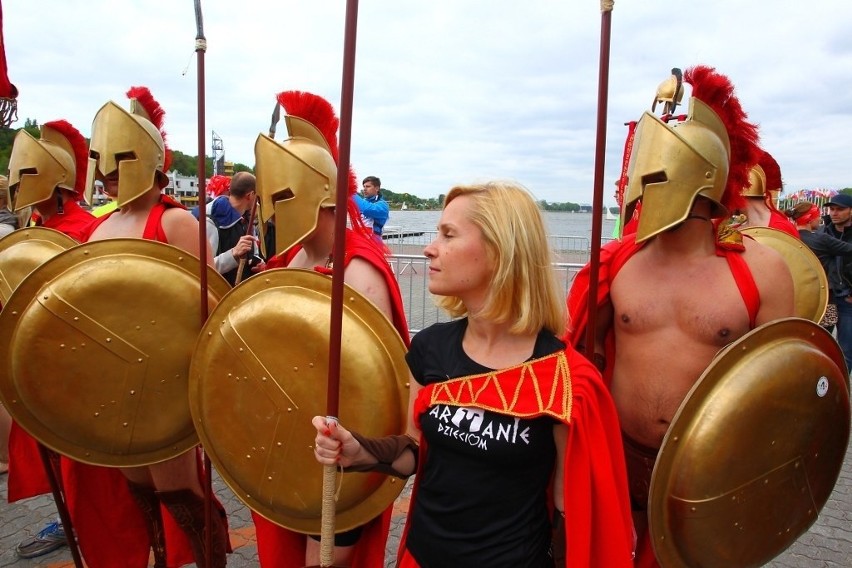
pixel 278 547
pixel 110 528
pixel 564 386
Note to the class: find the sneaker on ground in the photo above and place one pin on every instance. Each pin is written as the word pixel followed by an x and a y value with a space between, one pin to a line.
pixel 47 540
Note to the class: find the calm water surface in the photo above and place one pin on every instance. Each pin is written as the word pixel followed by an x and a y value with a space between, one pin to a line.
pixel 558 223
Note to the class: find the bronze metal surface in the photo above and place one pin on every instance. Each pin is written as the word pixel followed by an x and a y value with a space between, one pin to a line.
pixel 23 251
pixel 810 285
pixel 753 451
pixel 671 165
pixel 95 351
pixel 258 376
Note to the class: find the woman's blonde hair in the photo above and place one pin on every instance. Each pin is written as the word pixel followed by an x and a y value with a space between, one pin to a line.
pixel 524 290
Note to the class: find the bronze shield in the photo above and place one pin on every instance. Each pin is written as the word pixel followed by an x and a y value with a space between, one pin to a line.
pixel 810 284
pixel 754 450
pixel 258 376
pixel 95 351
pixel 23 251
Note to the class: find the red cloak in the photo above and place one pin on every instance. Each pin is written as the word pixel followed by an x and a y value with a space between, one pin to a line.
pixel 564 386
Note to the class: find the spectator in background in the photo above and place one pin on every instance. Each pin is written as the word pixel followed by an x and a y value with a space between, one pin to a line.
pixel 374 209
pixel 827 248
pixel 840 269
pixel 227 224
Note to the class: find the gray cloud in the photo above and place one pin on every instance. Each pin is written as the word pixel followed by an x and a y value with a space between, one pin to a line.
pixel 449 92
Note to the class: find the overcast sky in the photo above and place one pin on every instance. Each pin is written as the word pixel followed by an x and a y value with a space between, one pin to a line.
pixel 448 91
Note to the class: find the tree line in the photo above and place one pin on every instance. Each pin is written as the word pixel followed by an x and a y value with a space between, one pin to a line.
pixel 188 166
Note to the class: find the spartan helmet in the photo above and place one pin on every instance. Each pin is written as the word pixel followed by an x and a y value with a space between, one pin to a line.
pixel 295 179
pixel 757 179
pixel 38 166
pixel 671 166
pixel 130 144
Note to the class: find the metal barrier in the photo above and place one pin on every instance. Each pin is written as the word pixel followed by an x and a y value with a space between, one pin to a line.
pixel 401 241
pixel 412 274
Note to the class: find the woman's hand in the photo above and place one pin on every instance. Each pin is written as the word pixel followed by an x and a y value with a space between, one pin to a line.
pixel 334 444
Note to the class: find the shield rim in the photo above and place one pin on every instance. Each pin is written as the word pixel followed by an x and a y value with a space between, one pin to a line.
pixel 28 235
pixel 662 538
pixel 364 312
pixel 772 238
pixel 63 266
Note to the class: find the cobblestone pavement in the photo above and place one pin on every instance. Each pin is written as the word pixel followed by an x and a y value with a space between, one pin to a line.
pixel 828 544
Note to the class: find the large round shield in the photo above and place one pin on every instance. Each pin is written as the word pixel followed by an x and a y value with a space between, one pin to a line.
pixel 810 284
pixel 754 450
pixel 260 373
pixel 95 346
pixel 23 251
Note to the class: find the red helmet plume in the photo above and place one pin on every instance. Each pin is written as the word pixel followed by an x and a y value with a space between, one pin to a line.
pixel 717 91
pixel 81 151
pixel 155 114
pixel 772 170
pixel 320 113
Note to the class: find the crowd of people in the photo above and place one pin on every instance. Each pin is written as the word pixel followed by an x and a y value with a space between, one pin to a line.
pixel 529 447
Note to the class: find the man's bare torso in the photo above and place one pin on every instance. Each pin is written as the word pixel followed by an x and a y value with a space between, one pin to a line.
pixel 670 319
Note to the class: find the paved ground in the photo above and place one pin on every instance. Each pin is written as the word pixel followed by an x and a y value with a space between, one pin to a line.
pixel 828 544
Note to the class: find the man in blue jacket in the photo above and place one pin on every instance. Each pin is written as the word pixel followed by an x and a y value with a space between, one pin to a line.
pixel 374 209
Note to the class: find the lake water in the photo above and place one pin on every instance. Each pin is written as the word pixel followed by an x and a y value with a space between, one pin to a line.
pixel 558 222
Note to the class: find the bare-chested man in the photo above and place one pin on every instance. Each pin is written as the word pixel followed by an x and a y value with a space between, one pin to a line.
pixel 683 286
pixel 129 156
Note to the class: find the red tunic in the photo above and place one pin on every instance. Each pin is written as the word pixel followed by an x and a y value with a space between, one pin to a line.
pixel 613 257
pixel 74 222
pixel 111 530
pixel 278 547
pixel 564 386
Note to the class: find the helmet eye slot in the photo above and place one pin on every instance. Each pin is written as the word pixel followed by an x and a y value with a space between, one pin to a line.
pixel 283 195
pixel 656 177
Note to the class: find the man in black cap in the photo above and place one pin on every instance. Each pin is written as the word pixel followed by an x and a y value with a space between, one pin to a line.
pixel 840 271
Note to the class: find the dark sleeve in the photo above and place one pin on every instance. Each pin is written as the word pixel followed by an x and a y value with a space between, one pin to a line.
pixel 824 243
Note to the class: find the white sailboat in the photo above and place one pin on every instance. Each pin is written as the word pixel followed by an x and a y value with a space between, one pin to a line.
pixel 404 206
pixel 608 215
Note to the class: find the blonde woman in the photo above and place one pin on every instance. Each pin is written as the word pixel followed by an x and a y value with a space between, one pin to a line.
pixel 514 438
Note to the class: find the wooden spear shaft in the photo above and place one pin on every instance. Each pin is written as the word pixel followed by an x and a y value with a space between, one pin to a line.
pixel 200 49
pixel 336 327
pixel 600 161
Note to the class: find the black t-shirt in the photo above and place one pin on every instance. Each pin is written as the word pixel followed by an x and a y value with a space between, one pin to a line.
pixel 481 491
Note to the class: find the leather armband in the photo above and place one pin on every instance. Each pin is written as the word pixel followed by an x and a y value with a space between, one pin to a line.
pixel 386 450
